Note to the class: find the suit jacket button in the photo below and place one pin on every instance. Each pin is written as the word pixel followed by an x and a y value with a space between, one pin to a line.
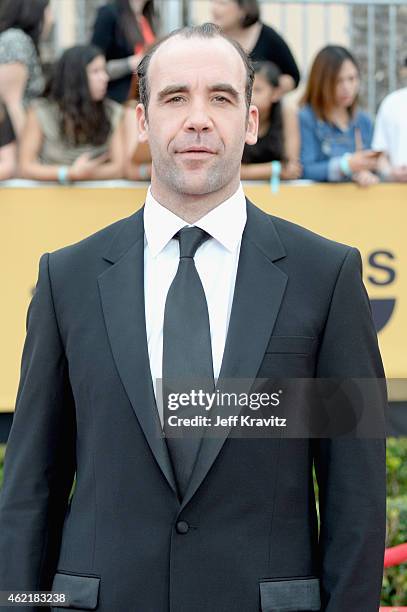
pixel 182 527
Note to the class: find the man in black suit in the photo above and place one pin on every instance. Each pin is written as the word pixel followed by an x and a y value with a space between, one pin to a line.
pixel 209 524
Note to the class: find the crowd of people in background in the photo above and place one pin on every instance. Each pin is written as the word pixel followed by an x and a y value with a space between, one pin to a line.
pixel 74 132
pixel 79 123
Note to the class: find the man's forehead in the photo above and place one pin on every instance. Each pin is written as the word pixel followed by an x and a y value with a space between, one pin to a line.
pixel 182 59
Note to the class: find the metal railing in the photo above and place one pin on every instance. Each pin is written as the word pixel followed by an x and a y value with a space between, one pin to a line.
pixel 374 30
pixel 375 44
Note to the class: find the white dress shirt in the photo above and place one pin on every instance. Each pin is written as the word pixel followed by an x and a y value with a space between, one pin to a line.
pixel 216 261
pixel 390 134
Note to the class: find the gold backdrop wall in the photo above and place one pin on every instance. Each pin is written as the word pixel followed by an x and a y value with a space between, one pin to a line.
pixel 43 218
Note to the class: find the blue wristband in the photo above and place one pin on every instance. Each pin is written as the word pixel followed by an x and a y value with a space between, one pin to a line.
pixel 275 176
pixel 63 175
pixel 344 164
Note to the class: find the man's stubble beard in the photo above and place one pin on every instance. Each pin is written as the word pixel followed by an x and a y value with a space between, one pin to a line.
pixel 217 176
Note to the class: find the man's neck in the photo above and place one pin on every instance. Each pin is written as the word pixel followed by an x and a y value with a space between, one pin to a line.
pixel 191 208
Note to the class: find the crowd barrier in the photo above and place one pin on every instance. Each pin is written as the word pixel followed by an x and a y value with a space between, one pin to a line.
pixel 36 218
pixel 395 555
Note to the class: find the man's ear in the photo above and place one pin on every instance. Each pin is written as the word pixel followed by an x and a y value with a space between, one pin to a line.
pixel 252 125
pixel 142 123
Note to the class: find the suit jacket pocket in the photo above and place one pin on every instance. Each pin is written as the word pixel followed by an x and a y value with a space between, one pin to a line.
pixel 300 345
pixel 290 594
pixel 81 592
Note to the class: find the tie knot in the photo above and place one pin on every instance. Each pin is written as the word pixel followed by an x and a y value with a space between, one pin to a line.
pixel 190 239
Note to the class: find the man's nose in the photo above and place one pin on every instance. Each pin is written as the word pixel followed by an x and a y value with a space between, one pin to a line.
pixel 198 118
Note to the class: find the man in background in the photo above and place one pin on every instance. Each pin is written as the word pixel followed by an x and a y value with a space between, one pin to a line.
pixel 390 135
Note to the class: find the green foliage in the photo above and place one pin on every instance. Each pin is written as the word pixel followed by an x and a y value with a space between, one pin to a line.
pixel 394 591
pixel 396 467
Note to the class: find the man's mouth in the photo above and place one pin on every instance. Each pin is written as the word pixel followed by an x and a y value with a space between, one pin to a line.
pixel 198 153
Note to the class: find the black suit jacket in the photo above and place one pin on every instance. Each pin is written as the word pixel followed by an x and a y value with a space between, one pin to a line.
pixel 245 536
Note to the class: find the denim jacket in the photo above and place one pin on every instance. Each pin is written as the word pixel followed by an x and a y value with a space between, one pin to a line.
pixel 323 144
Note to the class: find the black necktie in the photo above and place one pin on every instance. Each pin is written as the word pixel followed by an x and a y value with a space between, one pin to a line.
pixel 187 352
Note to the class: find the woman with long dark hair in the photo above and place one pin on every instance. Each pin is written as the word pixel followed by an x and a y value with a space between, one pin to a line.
pixel 74 133
pixel 240 19
pixel 278 135
pixel 123 30
pixel 22 25
pixel 336 136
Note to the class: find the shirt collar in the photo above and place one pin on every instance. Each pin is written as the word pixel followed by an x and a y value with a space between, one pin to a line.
pixel 225 223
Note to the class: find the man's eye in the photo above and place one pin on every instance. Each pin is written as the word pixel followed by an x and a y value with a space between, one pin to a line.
pixel 178 98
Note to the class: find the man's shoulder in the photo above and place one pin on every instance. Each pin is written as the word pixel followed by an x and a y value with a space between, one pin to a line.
pixel 97 244
pixel 305 247
pixel 300 236
pixel 293 234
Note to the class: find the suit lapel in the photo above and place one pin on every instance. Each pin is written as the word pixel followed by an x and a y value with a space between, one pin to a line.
pixel 122 293
pixel 259 290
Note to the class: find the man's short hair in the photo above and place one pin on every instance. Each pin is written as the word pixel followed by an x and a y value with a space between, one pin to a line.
pixel 206 30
